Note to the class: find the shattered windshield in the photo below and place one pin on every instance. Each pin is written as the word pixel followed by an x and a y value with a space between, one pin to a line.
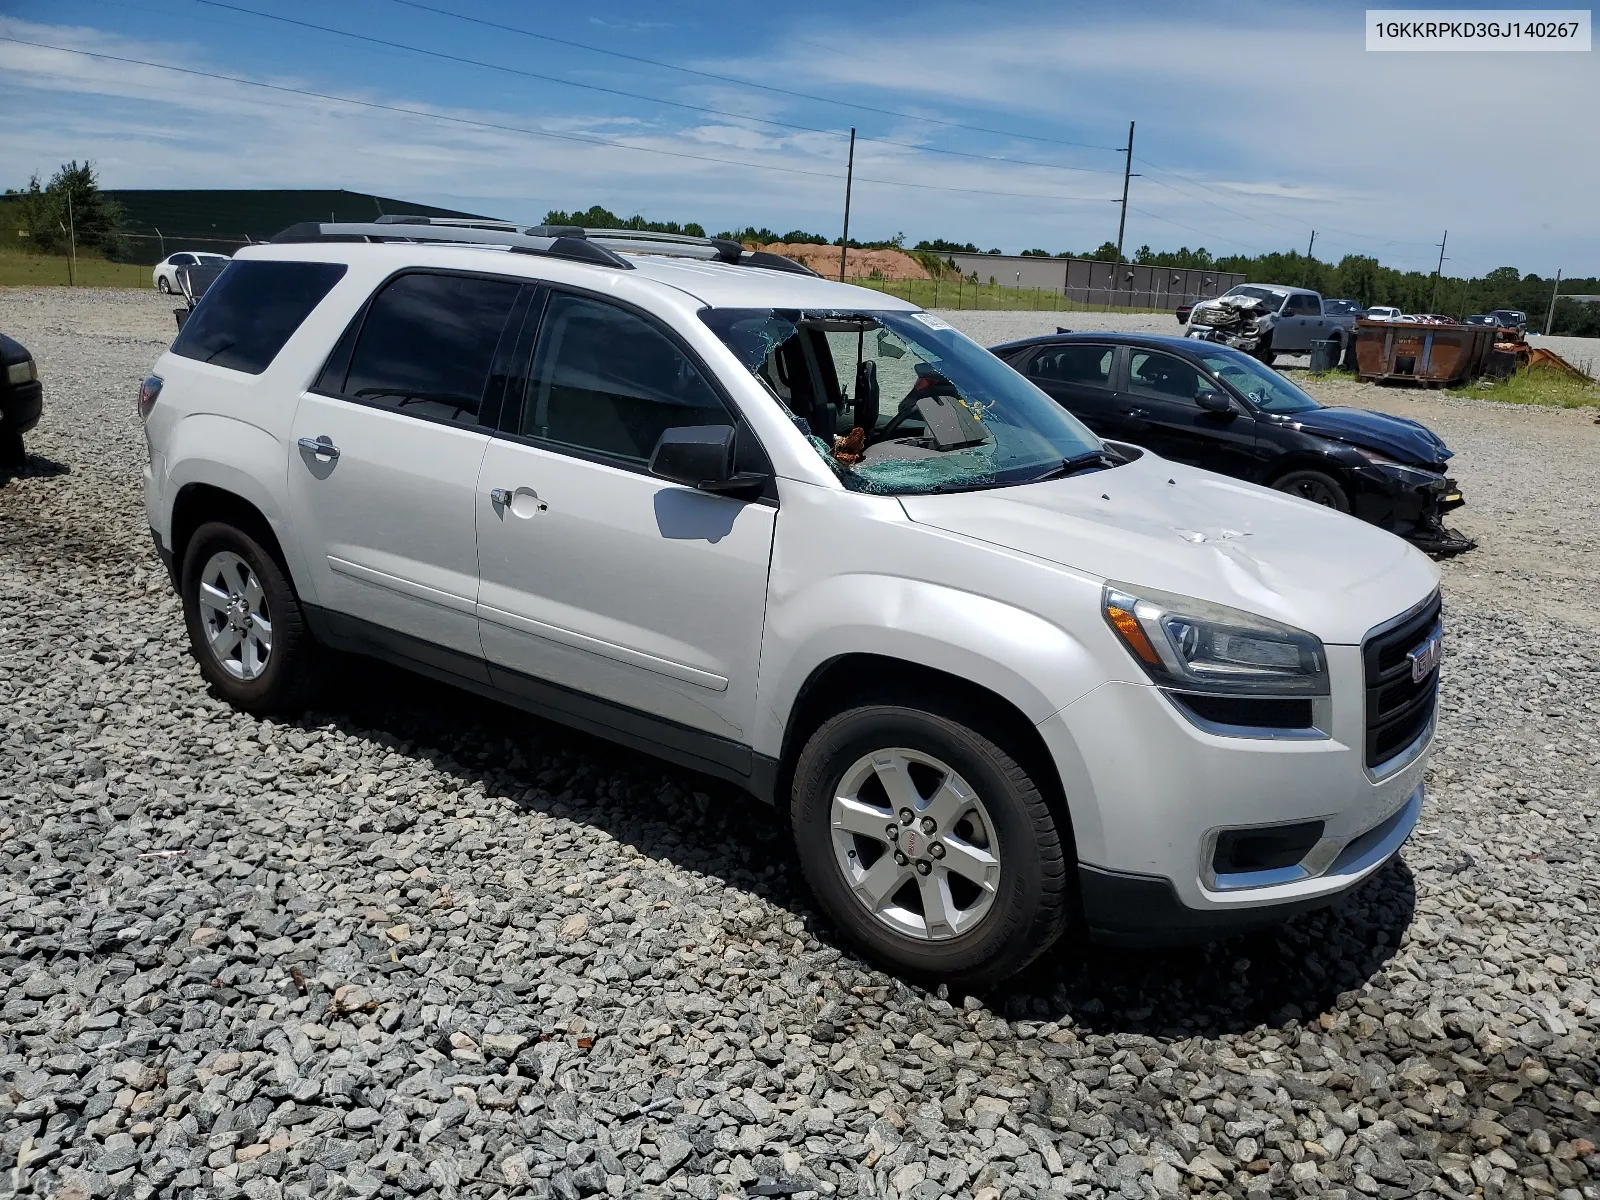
pixel 1256 382
pixel 900 403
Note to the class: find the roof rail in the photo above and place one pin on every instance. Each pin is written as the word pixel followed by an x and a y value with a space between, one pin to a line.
pixel 498 234
pixel 603 247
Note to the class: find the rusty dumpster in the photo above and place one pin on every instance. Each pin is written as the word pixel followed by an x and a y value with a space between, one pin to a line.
pixel 1433 355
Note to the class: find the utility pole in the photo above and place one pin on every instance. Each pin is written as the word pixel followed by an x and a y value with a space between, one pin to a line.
pixel 1433 305
pixel 1122 221
pixel 1549 317
pixel 1308 276
pixel 1312 243
pixel 72 243
pixel 849 178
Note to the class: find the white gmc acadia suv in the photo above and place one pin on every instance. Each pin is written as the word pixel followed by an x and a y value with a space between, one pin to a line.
pixel 1004 677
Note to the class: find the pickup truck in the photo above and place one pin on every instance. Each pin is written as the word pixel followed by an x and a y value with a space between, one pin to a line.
pixel 1266 319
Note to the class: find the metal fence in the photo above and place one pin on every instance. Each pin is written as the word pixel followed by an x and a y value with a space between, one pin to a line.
pixel 1132 285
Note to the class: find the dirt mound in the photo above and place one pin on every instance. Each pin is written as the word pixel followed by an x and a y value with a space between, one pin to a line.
pixel 824 260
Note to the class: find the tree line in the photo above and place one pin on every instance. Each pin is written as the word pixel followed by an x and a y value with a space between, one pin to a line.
pixel 68 211
pixel 70 207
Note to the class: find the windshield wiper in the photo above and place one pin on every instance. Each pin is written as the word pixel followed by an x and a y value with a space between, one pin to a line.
pixel 1099 459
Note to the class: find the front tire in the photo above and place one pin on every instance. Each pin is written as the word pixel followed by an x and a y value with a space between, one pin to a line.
pixel 12 454
pixel 930 846
pixel 246 627
pixel 1315 486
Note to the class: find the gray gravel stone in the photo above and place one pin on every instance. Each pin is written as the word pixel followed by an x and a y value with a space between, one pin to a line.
pixel 412 944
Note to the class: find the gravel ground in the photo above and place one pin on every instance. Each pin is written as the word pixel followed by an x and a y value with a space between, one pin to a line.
pixel 412 945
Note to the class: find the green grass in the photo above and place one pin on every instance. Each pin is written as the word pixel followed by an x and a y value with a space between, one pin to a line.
pixel 25 269
pixel 948 293
pixel 1553 389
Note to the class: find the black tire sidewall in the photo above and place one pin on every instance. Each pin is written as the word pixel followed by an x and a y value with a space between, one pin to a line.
pixel 283 677
pixel 1283 484
pixel 1000 945
pixel 163 286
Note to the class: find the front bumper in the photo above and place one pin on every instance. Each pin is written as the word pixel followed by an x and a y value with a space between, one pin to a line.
pixel 1409 503
pixel 1150 791
pixel 21 408
pixel 1121 908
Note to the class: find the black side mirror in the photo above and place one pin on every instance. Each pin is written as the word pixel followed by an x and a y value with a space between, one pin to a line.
pixel 701 457
pixel 1213 402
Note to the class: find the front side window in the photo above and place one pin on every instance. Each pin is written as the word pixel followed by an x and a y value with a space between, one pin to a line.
pixel 1073 363
pixel 1256 382
pixel 1165 376
pixel 252 309
pixel 606 381
pixel 900 403
pixel 427 344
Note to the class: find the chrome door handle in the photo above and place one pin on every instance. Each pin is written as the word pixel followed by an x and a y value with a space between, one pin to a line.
pixel 320 445
pixel 1138 412
pixel 500 496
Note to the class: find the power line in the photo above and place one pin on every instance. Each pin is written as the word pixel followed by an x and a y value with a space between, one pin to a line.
pixel 765 87
pixel 1251 217
pixel 1216 237
pixel 539 133
pixel 610 91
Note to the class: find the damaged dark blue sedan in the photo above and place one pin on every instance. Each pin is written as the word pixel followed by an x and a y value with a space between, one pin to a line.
pixel 1220 409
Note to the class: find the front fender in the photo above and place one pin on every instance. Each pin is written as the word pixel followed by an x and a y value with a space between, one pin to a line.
pixel 238 457
pixel 1035 665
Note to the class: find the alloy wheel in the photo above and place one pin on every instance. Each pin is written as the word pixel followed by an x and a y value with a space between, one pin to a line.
pixel 915 844
pixel 235 616
pixel 1315 491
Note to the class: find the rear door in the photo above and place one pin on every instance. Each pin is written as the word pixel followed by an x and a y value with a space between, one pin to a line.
pixel 1161 396
pixel 598 577
pixel 1078 376
pixel 383 463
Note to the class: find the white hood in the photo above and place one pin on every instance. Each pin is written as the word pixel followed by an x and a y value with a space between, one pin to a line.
pixel 1179 529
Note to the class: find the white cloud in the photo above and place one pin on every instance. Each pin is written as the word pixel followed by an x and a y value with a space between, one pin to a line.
pixel 1265 123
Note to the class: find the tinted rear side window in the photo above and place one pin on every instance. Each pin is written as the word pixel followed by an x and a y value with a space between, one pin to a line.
pixel 427 345
pixel 252 310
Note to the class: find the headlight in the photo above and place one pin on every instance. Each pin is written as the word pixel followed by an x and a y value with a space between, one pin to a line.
pixel 20 373
pixel 1417 474
pixel 1203 647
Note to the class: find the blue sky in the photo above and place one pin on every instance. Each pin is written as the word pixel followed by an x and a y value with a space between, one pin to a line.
pixel 1257 123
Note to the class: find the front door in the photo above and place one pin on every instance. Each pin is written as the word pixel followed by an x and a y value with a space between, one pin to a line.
pixel 1161 399
pixel 384 458
pixel 596 576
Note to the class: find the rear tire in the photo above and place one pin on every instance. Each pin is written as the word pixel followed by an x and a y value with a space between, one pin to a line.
pixel 163 286
pixel 980 894
pixel 246 627
pixel 1315 486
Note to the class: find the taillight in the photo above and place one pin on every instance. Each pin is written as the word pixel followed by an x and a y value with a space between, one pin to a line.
pixel 149 393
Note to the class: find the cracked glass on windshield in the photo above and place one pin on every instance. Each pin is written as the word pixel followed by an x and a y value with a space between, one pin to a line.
pixel 901 403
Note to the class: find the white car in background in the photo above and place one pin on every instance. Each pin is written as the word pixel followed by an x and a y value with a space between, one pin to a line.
pixel 1384 312
pixel 165 276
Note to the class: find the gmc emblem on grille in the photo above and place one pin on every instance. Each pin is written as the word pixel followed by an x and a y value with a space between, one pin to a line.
pixel 1426 656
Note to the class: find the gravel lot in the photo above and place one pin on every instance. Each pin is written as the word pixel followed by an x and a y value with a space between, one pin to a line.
pixel 414 946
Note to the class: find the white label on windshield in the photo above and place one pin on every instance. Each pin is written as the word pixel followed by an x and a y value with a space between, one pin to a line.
pixel 931 321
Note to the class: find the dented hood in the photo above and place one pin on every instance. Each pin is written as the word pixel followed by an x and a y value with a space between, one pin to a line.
pixel 1161 525
pixel 1400 438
